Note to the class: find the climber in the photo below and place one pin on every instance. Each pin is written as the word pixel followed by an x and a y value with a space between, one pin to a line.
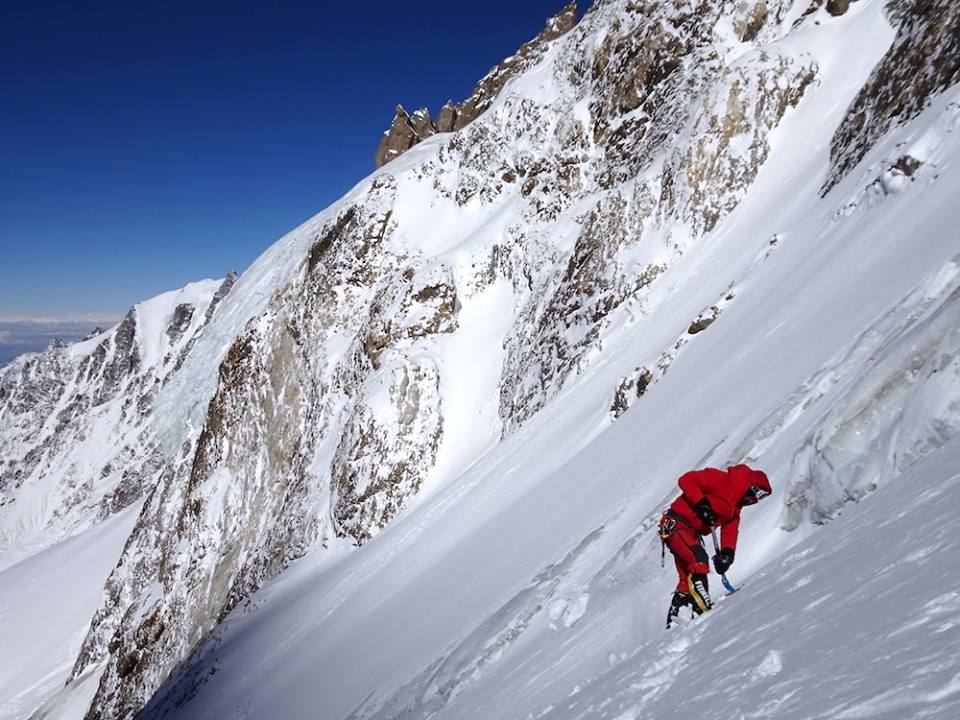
pixel 710 498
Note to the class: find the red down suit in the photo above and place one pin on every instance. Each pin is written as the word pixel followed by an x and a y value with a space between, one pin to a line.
pixel 725 489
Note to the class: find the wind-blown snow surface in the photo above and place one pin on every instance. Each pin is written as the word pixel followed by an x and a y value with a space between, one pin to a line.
pixel 859 621
pixel 536 570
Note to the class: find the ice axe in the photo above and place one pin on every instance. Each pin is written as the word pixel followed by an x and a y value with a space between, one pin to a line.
pixel 716 549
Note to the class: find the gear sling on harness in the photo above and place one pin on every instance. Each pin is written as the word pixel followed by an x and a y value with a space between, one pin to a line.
pixel 695 585
pixel 668 526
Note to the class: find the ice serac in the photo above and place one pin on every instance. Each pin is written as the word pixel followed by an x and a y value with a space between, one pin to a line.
pixel 896 400
pixel 608 203
pixel 406 131
pixel 77 439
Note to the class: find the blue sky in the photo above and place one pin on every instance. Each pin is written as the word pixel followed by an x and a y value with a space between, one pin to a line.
pixel 147 145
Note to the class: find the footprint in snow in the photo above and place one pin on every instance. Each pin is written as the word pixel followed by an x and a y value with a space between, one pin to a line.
pixel 805 580
pixel 566 611
pixel 771 665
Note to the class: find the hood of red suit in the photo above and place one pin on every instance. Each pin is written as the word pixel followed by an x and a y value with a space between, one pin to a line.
pixel 743 476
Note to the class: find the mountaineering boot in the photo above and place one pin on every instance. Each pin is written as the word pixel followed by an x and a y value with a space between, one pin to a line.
pixel 700 592
pixel 680 599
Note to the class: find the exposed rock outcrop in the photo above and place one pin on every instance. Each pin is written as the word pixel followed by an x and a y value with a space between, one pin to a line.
pixel 749 18
pixel 838 7
pixel 447 117
pixel 182 315
pixel 406 131
pixel 923 60
pixel 633 386
pixel 331 369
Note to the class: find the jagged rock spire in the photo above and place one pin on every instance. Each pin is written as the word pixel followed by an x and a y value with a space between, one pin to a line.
pixel 406 131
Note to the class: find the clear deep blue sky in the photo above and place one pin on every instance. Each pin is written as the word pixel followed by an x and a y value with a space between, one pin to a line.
pixel 144 145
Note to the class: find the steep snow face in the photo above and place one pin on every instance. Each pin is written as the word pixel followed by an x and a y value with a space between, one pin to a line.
pixel 489 361
pixel 857 622
pixel 814 279
pixel 76 433
pixel 531 584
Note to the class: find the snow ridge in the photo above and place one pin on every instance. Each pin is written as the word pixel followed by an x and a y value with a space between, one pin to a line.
pixel 77 437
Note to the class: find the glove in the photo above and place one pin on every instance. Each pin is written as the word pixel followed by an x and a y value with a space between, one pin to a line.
pixel 705 511
pixel 723 560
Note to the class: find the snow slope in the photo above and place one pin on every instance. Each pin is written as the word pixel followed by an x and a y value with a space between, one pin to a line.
pixel 859 621
pixel 46 602
pixel 414 460
pixel 538 568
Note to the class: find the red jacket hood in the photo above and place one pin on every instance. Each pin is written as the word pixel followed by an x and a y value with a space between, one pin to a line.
pixel 743 476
